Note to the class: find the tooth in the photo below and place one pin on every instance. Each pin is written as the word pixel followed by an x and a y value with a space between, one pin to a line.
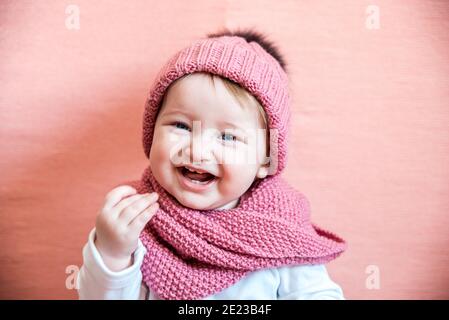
pixel 193 170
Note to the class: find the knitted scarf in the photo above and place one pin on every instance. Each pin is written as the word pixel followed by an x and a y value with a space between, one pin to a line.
pixel 192 254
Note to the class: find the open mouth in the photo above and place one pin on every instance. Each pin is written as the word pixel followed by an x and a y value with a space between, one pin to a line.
pixel 200 178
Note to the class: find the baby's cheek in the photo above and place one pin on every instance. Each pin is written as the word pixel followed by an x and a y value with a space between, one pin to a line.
pixel 163 146
pixel 238 177
pixel 159 152
pixel 238 155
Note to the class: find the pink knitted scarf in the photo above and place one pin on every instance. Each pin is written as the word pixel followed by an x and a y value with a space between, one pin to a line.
pixel 196 253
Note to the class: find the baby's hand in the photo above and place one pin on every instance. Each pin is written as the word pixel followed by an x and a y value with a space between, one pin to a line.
pixel 119 223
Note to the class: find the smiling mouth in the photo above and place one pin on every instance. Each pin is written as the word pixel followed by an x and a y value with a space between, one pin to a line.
pixel 196 177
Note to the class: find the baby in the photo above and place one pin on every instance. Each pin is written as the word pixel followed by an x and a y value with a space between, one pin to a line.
pixel 211 217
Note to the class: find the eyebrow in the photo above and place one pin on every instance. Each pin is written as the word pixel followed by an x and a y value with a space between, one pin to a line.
pixel 231 124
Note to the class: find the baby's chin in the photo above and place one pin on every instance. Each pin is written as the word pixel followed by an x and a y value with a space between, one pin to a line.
pixel 197 204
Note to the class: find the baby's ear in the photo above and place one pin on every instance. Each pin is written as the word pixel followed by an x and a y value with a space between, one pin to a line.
pixel 262 172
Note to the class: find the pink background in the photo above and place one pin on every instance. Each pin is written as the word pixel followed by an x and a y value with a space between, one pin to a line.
pixel 369 144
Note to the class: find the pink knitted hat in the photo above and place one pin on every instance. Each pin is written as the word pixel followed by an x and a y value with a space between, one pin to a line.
pixel 247 64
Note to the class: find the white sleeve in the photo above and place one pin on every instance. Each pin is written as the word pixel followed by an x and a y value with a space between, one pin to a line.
pixel 96 281
pixel 307 282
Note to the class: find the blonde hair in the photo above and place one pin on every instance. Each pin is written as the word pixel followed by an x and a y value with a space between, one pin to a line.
pixel 243 97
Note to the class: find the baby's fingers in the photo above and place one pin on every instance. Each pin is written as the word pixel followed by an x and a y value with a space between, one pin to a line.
pixel 117 194
pixel 139 222
pixel 129 212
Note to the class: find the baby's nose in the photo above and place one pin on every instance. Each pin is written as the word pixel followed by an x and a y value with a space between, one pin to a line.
pixel 200 149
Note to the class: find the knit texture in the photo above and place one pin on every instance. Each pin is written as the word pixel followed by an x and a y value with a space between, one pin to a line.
pixel 192 254
pixel 247 64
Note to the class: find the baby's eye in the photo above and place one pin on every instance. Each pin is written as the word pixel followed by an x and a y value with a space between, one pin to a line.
pixel 181 125
pixel 229 137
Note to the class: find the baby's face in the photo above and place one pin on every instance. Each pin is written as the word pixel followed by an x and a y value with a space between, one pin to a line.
pixel 198 127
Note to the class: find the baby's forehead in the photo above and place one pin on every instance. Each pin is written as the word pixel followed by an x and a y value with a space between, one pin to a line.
pixel 201 94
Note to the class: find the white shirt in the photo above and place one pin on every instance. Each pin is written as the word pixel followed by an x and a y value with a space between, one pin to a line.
pixel 96 281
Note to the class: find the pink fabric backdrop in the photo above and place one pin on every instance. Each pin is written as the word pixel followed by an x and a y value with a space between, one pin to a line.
pixel 369 145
